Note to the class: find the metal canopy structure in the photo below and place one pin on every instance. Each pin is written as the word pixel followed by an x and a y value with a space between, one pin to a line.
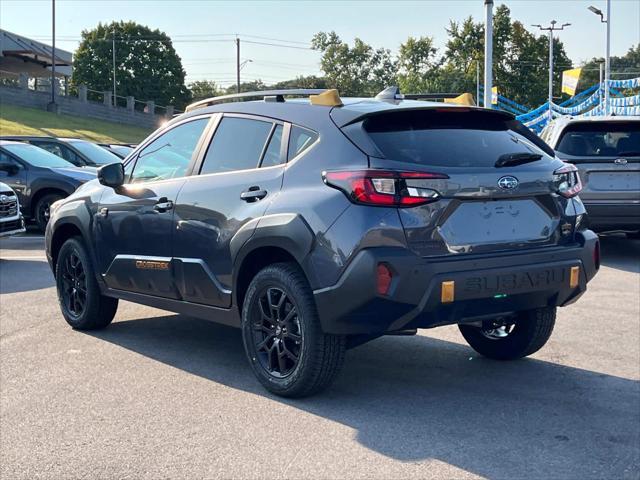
pixel 20 54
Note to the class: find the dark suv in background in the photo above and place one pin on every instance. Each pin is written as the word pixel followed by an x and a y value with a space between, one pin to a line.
pixel 318 224
pixel 38 178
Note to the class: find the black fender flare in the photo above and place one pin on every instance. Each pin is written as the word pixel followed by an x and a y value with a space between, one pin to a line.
pixel 288 231
pixel 78 215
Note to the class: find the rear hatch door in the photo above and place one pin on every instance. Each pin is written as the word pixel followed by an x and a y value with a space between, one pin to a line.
pixel 501 191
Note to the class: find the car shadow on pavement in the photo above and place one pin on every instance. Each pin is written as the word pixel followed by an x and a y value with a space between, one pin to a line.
pixel 417 398
pixel 24 275
pixel 620 252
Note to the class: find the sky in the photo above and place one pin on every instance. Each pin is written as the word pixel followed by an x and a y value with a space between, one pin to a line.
pixel 275 35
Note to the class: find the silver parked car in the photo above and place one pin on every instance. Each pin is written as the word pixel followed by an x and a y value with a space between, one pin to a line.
pixel 11 221
pixel 606 151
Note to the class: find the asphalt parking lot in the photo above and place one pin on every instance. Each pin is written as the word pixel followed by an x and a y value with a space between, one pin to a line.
pixel 159 395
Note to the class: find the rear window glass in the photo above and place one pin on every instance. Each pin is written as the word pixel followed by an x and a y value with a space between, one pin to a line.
pixel 449 139
pixel 601 139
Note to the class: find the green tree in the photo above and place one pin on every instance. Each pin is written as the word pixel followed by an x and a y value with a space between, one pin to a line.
pixel 147 65
pixel 520 59
pixel 417 65
pixel 310 81
pixel 202 89
pixel 624 67
pixel 358 70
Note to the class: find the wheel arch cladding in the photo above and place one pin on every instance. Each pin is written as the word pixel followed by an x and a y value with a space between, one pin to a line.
pixel 272 239
pixel 35 198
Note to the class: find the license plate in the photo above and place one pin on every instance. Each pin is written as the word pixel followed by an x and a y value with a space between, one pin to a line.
pixel 614 181
pixel 481 223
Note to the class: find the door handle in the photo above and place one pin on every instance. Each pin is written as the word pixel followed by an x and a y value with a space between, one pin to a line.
pixel 163 204
pixel 253 194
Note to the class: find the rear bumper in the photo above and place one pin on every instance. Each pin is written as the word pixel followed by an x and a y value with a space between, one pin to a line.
pixel 613 216
pixel 484 286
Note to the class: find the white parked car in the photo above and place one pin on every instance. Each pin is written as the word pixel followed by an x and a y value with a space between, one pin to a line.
pixel 606 151
pixel 11 221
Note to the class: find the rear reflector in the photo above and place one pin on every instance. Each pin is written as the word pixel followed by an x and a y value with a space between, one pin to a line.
pixel 447 293
pixel 384 188
pixel 384 277
pixel 596 255
pixel 574 279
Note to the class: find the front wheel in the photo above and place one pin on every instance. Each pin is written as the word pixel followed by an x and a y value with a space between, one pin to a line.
pixel 43 208
pixel 287 350
pixel 82 304
pixel 511 338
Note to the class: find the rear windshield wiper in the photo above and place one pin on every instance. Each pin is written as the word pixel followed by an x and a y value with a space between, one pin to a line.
pixel 511 159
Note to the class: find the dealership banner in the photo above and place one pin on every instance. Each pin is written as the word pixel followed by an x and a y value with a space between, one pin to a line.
pixel 570 80
pixel 494 95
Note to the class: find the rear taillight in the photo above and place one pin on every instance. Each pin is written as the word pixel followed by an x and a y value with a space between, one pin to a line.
pixel 568 181
pixel 385 188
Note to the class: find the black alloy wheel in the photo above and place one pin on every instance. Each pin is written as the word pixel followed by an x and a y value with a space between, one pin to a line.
pixel 277 333
pixel 74 284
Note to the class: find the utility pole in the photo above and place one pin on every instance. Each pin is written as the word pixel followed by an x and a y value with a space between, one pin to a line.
pixel 113 48
pixel 478 82
pixel 237 65
pixel 607 58
pixel 552 28
pixel 488 52
pixel 601 65
pixel 53 55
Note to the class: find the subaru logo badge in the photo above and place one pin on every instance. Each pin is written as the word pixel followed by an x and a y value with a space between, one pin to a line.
pixel 508 182
pixel 4 199
pixel 620 161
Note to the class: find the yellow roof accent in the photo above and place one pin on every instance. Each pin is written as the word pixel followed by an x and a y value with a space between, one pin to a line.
pixel 330 98
pixel 464 99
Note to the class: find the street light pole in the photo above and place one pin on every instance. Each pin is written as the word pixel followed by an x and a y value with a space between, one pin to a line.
pixel 607 58
pixel 113 48
pixel 552 28
pixel 53 53
pixel 488 52
pixel 237 65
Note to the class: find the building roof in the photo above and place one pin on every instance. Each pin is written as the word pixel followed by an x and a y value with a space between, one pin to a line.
pixel 19 54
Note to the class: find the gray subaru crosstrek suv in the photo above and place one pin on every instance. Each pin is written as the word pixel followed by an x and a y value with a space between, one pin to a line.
pixel 606 151
pixel 317 224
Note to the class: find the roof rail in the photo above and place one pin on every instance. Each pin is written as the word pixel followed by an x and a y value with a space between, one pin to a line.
pixel 275 95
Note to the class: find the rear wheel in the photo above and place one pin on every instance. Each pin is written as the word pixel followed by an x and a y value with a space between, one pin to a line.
pixel 514 337
pixel 287 350
pixel 43 208
pixel 82 304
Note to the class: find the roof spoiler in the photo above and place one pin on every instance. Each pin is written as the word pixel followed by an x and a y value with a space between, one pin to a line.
pixel 267 95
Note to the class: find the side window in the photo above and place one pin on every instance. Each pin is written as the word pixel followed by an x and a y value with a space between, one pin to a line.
pixel 51 148
pixel 299 140
pixel 236 145
pixel 272 155
pixel 169 155
pixel 8 166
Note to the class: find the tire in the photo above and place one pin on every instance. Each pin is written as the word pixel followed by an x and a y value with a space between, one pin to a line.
pixel 41 212
pixel 310 358
pixel 529 334
pixel 82 304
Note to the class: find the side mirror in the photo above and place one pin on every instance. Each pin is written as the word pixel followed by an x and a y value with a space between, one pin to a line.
pixel 111 175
